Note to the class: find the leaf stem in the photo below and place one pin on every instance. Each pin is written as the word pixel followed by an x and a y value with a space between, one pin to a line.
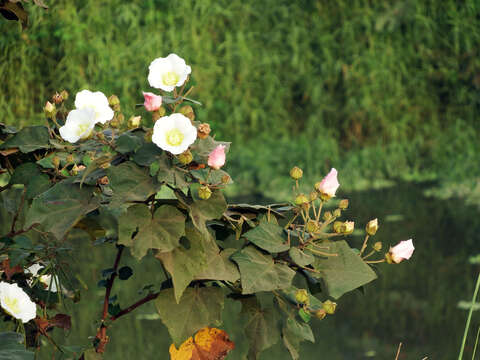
pixel 132 307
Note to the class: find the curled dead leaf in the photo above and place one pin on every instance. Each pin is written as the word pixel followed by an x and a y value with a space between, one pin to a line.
pixel 208 344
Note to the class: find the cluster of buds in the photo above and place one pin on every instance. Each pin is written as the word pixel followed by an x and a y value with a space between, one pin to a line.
pixel 303 299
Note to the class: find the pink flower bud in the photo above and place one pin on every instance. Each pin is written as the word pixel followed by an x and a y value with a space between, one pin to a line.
pixel 216 159
pixel 152 101
pixel 329 185
pixel 402 251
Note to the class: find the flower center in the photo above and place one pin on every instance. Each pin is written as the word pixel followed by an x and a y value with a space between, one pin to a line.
pixel 174 137
pixel 170 78
pixel 81 129
pixel 12 305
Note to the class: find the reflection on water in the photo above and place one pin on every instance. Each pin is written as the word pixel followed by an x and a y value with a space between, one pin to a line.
pixel 413 302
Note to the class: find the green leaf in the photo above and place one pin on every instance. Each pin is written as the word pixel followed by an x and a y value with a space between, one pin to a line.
pixel 182 263
pixel 202 210
pixel 260 273
pixel 147 154
pixel 300 257
pixel 198 308
pixel 344 272
pixel 59 208
pixel 34 180
pixel 28 139
pixel 12 348
pixel 161 232
pixel 9 203
pixel 304 315
pixel 314 303
pixel 269 237
pixel 219 266
pixel 262 327
pixel 293 333
pixel 169 173
pixel 203 147
pixel 91 354
pixel 128 142
pixel 130 182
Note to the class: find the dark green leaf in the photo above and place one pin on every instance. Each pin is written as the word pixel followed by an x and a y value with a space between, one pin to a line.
pixel 161 232
pixel 293 333
pixel 262 327
pixel 202 210
pixel 59 208
pixel 269 237
pixel 304 315
pixel 130 182
pixel 28 139
pixel 30 175
pixel 344 272
pixel 199 307
pixel 147 154
pixel 300 257
pixel 260 273
pixel 128 142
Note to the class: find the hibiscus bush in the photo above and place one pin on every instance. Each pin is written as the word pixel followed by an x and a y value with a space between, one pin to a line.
pixel 152 186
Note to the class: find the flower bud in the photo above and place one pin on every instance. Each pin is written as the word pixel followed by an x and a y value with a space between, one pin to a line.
pixel 187 110
pixel 152 101
pixel 337 212
pixel 81 167
pixel 56 161
pixel 313 196
pixel 296 173
pixel 148 135
pixel 338 227
pixel 328 186
pixel 402 251
pixel 64 95
pixel 348 227
pixel 343 204
pixel 204 192
pixel 105 165
pixel 185 157
pixel 70 159
pixel 311 226
pixel 225 179
pixel 134 122
pixel 203 130
pixel 103 181
pixel 327 216
pixel 301 199
pixel 74 170
pixel 216 159
pixel 158 114
pixel 377 246
pixel 50 109
pixel 57 98
pixel 320 314
pixel 113 100
pixel 372 227
pixel 101 135
pixel 301 296
pixel 329 307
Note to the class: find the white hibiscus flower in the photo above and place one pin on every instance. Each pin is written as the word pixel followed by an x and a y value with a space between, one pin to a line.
pixel 79 125
pixel 98 102
pixel 174 133
pixel 166 73
pixel 16 302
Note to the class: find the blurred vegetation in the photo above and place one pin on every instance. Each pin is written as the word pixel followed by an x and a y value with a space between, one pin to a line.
pixel 380 89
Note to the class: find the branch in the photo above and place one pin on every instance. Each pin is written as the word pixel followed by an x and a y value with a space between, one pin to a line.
pixel 132 307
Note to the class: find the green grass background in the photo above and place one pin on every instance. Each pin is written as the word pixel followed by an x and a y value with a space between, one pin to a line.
pixel 378 89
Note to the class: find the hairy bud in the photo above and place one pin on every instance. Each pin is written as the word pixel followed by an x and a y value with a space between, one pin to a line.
pixel 301 199
pixel 185 157
pixel 203 130
pixel 301 296
pixel 343 204
pixel 134 122
pixel 204 192
pixel 329 307
pixel 296 173
pixel 372 227
pixel 187 110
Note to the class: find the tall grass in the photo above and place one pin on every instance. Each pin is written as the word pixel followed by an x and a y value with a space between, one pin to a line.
pixel 398 77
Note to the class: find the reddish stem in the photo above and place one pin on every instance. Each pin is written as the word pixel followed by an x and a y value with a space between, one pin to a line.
pixel 132 307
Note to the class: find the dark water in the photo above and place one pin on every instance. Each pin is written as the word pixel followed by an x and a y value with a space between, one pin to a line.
pixel 414 302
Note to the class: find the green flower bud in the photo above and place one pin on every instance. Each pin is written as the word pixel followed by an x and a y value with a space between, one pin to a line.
pixel 185 157
pixel 159 113
pixel 113 100
pixel 343 204
pixel 74 170
pixel 204 192
pixel 311 226
pixel 313 196
pixel 301 296
pixel 296 173
pixel 329 307
pixel 337 212
pixel 301 199
pixel 348 227
pixel 320 314
pixel 70 159
pixel 101 136
pixel 50 109
pixel 377 246
pixel 338 227
pixel 187 110
pixel 327 215
pixel 64 95
pixel 134 122
pixel 372 227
